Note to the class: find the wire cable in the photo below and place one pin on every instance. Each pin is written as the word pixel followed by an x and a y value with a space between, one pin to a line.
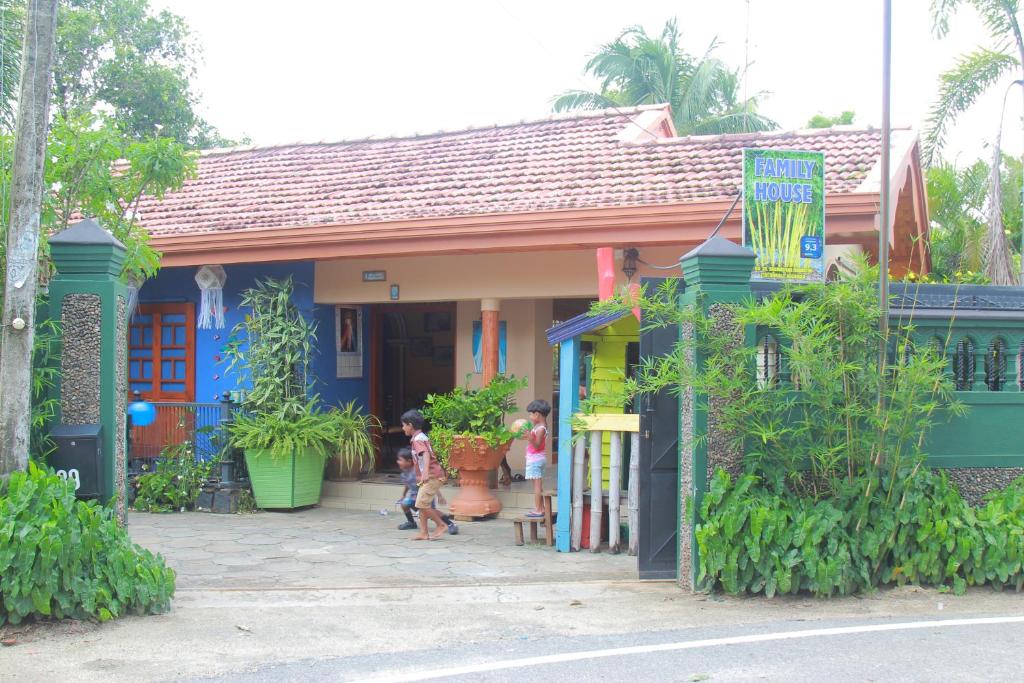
pixel 714 232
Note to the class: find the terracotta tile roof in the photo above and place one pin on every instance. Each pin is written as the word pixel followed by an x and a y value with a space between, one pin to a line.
pixel 589 160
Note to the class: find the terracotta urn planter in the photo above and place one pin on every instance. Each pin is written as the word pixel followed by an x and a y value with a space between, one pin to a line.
pixel 474 458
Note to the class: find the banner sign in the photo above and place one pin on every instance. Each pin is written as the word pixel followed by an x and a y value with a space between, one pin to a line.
pixel 784 213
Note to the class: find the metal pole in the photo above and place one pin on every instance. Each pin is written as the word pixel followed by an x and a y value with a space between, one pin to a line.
pixel 883 218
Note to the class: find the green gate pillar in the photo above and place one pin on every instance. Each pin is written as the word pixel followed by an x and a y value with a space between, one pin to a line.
pixel 91 303
pixel 717 273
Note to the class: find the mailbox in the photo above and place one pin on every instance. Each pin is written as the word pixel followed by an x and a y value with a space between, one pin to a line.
pixel 79 457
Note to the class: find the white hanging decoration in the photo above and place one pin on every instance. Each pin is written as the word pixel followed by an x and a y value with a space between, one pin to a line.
pixel 211 280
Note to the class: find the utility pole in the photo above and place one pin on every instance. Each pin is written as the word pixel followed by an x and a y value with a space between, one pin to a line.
pixel 18 321
pixel 883 217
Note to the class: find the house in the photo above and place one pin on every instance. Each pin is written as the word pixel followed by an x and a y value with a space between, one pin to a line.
pixel 415 254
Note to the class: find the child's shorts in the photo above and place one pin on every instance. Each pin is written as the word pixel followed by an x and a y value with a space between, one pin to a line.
pixel 428 489
pixel 535 468
pixel 409 502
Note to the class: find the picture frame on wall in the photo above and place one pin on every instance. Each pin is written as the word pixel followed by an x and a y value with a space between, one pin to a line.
pixel 437 321
pixel 348 341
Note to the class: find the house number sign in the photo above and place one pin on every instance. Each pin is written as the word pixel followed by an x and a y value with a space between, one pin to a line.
pixel 71 474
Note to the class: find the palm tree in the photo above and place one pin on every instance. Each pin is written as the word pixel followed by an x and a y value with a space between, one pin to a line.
pixel 637 69
pixel 960 87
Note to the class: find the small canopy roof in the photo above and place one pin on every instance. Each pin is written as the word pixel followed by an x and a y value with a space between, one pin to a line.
pixel 582 324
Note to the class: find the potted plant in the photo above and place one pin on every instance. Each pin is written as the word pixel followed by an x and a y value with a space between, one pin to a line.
pixel 281 427
pixel 470 438
pixel 354 452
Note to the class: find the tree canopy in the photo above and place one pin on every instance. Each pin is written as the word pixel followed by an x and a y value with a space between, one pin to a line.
pixel 636 69
pixel 120 58
pixel 821 121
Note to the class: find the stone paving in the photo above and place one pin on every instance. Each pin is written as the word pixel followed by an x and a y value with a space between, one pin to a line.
pixel 329 548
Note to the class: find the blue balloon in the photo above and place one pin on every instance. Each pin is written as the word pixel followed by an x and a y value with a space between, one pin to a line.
pixel 142 413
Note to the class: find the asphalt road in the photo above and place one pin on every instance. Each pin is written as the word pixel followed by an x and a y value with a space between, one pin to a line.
pixel 964 648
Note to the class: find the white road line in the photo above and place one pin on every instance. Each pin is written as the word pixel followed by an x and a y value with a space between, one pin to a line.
pixel 684 645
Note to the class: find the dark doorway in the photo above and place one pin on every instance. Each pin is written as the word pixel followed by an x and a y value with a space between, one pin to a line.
pixel 414 349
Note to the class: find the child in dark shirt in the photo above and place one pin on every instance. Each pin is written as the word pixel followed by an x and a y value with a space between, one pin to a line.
pixel 407 471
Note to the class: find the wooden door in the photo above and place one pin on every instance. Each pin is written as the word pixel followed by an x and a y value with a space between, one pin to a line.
pixel 161 367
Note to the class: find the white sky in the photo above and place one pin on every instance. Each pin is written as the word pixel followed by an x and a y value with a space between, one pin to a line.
pixel 308 70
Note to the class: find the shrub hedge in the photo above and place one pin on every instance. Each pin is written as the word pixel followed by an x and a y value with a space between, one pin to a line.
pixel 912 528
pixel 61 557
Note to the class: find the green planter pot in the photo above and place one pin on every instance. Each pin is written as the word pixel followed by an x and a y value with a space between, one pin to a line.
pixel 290 481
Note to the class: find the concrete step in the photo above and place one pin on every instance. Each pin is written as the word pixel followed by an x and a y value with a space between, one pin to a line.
pixel 381 495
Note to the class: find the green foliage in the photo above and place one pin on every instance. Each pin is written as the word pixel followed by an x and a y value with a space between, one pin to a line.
pixel 176 483
pixel 819 410
pixel 93 168
pixel 272 347
pixel 354 443
pixel 45 373
pixel 119 55
pixel 974 72
pixel 958 211
pixel 912 528
pixel 636 69
pixel 60 557
pixel 472 412
pixel 834 496
pixel 822 121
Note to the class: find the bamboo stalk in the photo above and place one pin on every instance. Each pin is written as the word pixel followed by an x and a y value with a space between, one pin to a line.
pixel 595 491
pixel 634 491
pixel 614 486
pixel 579 453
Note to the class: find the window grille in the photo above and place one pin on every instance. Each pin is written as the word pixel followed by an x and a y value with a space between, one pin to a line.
pixel 995 365
pixel 1020 367
pixel 768 362
pixel 963 364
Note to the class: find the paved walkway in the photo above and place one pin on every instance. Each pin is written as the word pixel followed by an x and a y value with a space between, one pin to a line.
pixel 328 548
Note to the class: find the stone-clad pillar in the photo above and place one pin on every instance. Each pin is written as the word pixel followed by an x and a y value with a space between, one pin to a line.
pixel 717 273
pixel 89 300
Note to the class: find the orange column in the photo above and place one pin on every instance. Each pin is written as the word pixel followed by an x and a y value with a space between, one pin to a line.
pixel 489 312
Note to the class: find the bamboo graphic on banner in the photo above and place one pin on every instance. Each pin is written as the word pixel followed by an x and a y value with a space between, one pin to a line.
pixel 784 213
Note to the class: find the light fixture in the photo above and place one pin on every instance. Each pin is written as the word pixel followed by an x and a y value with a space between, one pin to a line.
pixel 629 257
pixel 18 324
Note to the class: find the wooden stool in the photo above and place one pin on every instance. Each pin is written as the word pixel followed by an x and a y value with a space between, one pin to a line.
pixel 547 520
pixel 518 525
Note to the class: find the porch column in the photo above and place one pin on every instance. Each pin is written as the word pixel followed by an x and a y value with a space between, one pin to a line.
pixel 489 312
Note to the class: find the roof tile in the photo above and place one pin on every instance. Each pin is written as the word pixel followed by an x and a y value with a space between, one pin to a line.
pixel 563 162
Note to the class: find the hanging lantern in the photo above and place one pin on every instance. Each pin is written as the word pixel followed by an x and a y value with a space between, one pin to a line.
pixel 211 281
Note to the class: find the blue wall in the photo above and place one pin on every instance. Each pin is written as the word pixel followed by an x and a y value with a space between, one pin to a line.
pixel 212 378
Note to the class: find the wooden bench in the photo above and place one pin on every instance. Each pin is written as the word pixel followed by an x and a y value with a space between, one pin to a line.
pixel 548 520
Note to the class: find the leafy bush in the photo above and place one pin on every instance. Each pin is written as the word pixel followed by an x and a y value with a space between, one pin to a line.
pixel 832 495
pixel 914 529
pixel 472 412
pixel 273 346
pixel 61 557
pixel 175 484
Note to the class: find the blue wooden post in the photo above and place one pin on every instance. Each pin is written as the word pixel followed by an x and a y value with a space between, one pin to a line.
pixel 568 405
